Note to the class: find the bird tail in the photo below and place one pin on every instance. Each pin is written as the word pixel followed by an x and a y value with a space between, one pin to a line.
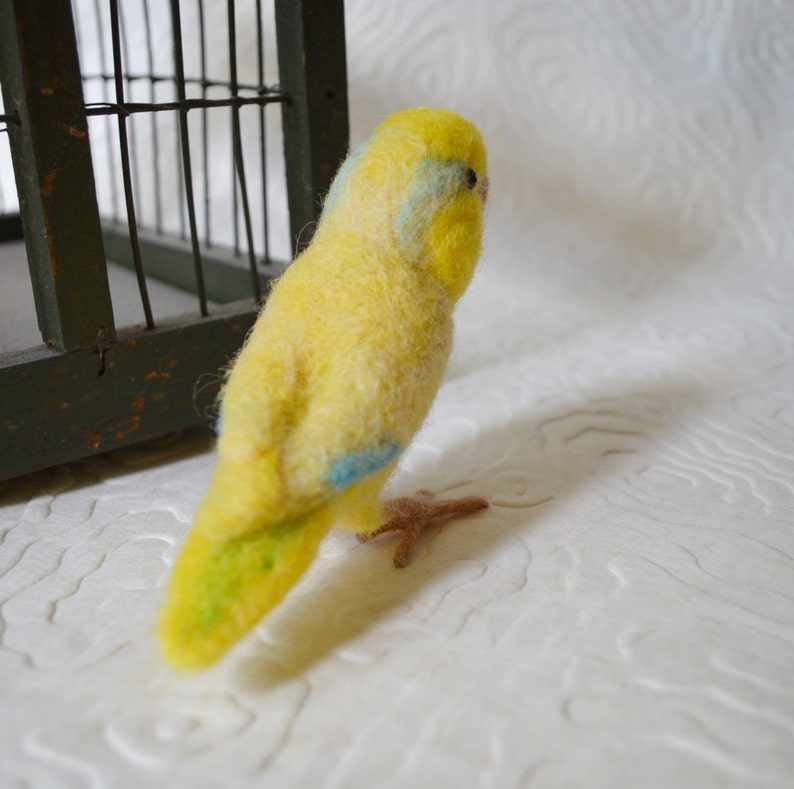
pixel 221 588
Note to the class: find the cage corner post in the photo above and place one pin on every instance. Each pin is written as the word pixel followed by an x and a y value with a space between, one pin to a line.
pixel 313 73
pixel 41 81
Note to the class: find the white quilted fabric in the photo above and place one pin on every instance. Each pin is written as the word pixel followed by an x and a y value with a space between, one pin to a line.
pixel 623 391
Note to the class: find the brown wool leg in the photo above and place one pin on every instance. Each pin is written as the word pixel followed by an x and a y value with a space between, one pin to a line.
pixel 412 514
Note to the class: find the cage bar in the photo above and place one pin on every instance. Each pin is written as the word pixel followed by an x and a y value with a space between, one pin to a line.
pixel 187 167
pixel 237 148
pixel 129 198
pixel 52 165
pixel 313 71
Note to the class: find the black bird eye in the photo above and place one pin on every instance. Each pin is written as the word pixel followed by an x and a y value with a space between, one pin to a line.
pixel 471 178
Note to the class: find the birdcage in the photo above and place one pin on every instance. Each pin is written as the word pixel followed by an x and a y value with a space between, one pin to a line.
pixel 147 134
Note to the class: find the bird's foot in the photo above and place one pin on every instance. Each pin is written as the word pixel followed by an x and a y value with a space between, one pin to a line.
pixel 411 514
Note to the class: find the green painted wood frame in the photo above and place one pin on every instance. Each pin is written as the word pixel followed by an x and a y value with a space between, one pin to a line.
pixel 90 388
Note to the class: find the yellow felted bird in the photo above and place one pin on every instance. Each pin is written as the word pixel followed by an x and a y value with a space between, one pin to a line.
pixel 335 378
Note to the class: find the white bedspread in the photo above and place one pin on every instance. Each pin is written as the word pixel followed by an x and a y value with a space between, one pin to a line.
pixel 622 390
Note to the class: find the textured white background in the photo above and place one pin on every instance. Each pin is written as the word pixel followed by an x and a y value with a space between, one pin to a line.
pixel 623 391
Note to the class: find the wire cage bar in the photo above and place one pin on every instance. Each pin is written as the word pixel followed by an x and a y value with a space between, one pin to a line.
pixel 118 162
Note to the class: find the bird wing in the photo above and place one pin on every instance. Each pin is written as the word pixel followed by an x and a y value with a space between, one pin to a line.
pixel 325 396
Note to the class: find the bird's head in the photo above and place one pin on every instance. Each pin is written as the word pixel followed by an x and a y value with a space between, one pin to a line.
pixel 417 186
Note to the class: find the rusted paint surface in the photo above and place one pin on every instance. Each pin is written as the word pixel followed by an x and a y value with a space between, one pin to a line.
pixel 135 423
pixel 55 408
pixel 92 439
pixel 74 131
pixel 163 375
pixel 46 186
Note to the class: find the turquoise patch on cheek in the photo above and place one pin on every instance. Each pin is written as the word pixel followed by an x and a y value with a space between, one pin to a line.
pixel 355 466
pixel 435 183
pixel 342 177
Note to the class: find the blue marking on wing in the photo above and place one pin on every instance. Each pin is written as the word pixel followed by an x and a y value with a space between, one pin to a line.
pixel 356 465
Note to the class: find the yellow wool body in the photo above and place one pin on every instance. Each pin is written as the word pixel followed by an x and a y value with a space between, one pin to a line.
pixel 335 378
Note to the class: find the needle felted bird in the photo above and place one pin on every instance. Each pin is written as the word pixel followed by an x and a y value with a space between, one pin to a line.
pixel 335 378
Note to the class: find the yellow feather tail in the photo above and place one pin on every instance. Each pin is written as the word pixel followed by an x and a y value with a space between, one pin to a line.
pixel 220 589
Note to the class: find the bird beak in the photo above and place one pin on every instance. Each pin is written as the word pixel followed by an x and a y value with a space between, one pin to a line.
pixel 482 188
